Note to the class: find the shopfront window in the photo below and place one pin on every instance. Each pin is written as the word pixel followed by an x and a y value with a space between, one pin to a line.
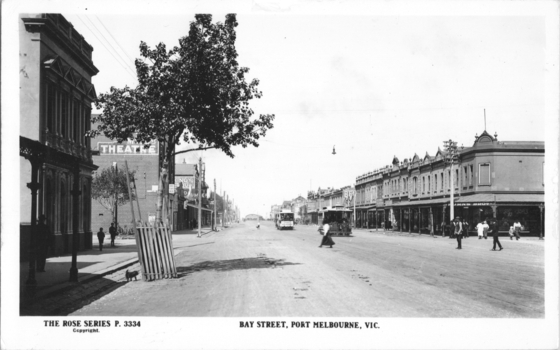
pixel 405 218
pixel 528 216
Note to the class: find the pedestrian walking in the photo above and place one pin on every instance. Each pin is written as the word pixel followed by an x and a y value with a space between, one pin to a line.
pixel 486 228
pixel 458 231
pixel 480 229
pixel 443 228
pixel 101 237
pixel 517 229
pixel 113 233
pixel 495 230
pixel 44 241
pixel 327 240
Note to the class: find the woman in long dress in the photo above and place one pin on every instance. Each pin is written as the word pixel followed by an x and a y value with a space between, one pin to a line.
pixel 327 240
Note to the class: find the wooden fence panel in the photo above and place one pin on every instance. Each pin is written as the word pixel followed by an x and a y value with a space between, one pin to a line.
pixel 155 251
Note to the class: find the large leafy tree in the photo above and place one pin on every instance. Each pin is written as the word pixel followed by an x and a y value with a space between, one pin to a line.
pixel 110 188
pixel 196 93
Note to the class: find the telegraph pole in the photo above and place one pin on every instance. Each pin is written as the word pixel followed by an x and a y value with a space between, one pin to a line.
pixel 451 158
pixel 199 197
pixel 215 212
pixel 224 199
pixel 115 211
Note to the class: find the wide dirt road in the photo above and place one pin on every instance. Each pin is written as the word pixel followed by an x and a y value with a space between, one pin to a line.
pixel 244 271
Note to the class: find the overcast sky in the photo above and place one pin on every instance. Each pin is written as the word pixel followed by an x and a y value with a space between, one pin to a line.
pixel 370 83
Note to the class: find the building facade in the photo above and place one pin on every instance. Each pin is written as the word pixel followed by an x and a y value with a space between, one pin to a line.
pixel 144 162
pixel 186 210
pixel 500 179
pixel 274 209
pixel 56 163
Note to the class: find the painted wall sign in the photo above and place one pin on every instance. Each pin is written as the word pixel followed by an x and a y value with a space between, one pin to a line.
pixel 127 148
pixel 480 204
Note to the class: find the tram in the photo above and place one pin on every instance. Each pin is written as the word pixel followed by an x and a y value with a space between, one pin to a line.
pixel 284 219
pixel 338 218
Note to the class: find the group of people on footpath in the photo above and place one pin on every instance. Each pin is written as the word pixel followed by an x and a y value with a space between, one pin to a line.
pixel 101 236
pixel 488 226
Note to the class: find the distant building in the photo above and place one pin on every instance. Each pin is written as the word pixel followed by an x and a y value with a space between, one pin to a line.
pixel 275 209
pixel 253 217
pixel 56 94
pixel 299 208
pixel 500 179
pixel 186 210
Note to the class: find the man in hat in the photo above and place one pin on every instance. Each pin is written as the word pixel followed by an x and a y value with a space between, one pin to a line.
pixel 494 228
pixel 458 231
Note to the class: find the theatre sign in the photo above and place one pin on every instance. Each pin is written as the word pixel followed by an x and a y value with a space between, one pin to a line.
pixel 127 148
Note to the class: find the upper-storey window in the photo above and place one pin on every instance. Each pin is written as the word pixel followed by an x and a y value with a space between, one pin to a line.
pixel 64 114
pixel 484 174
pixel 471 177
pixel 435 182
pixel 415 185
pixel 51 107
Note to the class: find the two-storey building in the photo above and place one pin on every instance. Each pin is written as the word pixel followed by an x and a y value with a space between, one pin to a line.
pixel 56 94
pixel 500 179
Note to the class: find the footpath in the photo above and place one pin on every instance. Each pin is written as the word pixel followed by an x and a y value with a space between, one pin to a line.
pixel 92 265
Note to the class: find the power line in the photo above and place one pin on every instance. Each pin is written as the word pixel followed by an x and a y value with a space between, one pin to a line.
pixel 108 42
pixel 109 51
pixel 116 41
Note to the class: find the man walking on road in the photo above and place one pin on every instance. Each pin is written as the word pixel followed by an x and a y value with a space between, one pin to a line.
pixel 458 231
pixel 494 229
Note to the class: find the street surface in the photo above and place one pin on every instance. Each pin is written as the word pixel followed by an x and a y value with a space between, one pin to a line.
pixel 247 272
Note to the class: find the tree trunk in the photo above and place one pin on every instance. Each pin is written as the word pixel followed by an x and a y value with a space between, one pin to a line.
pixel 167 148
pixel 161 186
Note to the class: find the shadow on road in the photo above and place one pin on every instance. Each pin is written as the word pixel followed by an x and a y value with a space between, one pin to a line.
pixel 233 264
pixel 71 300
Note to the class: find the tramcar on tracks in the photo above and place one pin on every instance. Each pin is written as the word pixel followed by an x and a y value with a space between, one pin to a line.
pixel 285 219
pixel 338 218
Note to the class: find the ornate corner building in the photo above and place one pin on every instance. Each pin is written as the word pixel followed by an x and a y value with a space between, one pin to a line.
pixel 56 164
pixel 491 179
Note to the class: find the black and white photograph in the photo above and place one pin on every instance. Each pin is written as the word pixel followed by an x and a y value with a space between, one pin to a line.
pixel 280 174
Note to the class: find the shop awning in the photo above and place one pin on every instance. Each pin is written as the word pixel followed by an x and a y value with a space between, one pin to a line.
pixel 420 202
pixel 502 198
pixel 366 207
pixel 196 207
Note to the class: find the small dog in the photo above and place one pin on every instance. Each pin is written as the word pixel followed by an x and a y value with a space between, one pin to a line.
pixel 129 275
pixel 258 225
